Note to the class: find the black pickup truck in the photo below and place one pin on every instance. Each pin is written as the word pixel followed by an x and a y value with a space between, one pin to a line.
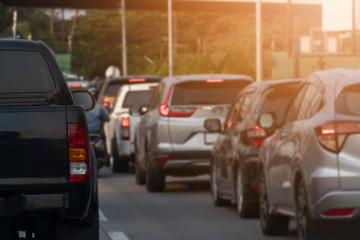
pixel 48 175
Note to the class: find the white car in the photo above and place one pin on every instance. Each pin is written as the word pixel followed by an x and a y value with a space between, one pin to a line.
pixel 121 128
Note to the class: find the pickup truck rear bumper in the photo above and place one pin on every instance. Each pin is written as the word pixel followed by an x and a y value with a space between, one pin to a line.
pixel 70 204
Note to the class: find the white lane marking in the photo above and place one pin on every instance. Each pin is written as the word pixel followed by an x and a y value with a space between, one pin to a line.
pixel 102 217
pixel 118 236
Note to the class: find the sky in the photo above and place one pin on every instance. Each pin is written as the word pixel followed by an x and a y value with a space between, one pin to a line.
pixel 337 15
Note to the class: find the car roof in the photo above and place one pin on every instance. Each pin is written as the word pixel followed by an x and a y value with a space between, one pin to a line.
pixel 269 83
pixel 202 77
pixel 337 78
pixel 20 44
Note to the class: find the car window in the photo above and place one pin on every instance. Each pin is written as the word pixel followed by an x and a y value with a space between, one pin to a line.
pixel 137 98
pixel 293 108
pixel 156 97
pixel 203 93
pixel 277 98
pixel 113 88
pixel 348 101
pixel 312 102
pixel 244 106
pixel 24 72
pixel 231 116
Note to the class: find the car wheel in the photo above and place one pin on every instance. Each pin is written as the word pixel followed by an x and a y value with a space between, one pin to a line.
pixel 306 228
pixel 270 224
pixel 155 179
pixel 73 230
pixel 245 209
pixel 140 174
pixel 117 164
pixel 217 200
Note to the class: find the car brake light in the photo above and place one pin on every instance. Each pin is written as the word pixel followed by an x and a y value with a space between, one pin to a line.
pixel 75 85
pixel 106 104
pixel 164 108
pixel 165 159
pixel 182 111
pixel 137 80
pixel 166 111
pixel 256 135
pixel 338 212
pixel 79 164
pixel 332 135
pixel 125 128
pixel 214 80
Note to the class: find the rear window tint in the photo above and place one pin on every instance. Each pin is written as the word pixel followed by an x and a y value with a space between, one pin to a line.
pixel 113 89
pixel 203 93
pixel 137 98
pixel 24 71
pixel 278 98
pixel 348 101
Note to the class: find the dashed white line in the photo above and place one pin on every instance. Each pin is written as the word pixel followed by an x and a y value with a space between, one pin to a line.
pixel 118 236
pixel 102 217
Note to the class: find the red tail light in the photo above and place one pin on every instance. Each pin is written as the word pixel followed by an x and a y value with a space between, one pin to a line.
pixel 164 108
pixel 165 111
pixel 106 104
pixel 332 135
pixel 137 80
pixel 338 212
pixel 165 159
pixel 215 81
pixel 256 135
pixel 79 164
pixel 181 112
pixel 75 85
pixel 125 128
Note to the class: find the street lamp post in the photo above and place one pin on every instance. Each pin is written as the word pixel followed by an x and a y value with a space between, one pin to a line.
pixel 170 38
pixel 258 42
pixel 123 35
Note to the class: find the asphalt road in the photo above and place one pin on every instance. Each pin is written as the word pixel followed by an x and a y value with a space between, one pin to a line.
pixel 184 211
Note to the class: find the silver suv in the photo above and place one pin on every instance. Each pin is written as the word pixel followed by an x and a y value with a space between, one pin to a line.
pixel 171 139
pixel 310 169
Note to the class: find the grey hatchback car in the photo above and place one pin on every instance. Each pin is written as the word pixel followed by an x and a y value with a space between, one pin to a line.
pixel 310 169
pixel 170 138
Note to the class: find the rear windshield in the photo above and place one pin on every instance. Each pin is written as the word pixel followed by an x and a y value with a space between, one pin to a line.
pixel 348 101
pixel 24 72
pixel 277 99
pixel 203 93
pixel 113 89
pixel 137 98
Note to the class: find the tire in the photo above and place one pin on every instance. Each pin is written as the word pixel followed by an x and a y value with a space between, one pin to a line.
pixel 244 209
pixel 270 224
pixel 140 174
pixel 307 229
pixel 217 200
pixel 155 180
pixel 117 164
pixel 72 230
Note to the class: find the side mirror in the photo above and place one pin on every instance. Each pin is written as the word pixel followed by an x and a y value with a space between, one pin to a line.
pixel 267 120
pixel 212 125
pixel 84 98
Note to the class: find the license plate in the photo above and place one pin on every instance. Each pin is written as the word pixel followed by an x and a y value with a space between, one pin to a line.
pixel 210 138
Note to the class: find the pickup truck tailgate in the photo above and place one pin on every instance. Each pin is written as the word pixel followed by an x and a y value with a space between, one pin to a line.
pixel 33 145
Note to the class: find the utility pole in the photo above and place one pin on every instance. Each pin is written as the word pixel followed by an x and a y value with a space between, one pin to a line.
pixel 123 35
pixel 354 26
pixel 14 23
pixel 258 42
pixel 170 38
